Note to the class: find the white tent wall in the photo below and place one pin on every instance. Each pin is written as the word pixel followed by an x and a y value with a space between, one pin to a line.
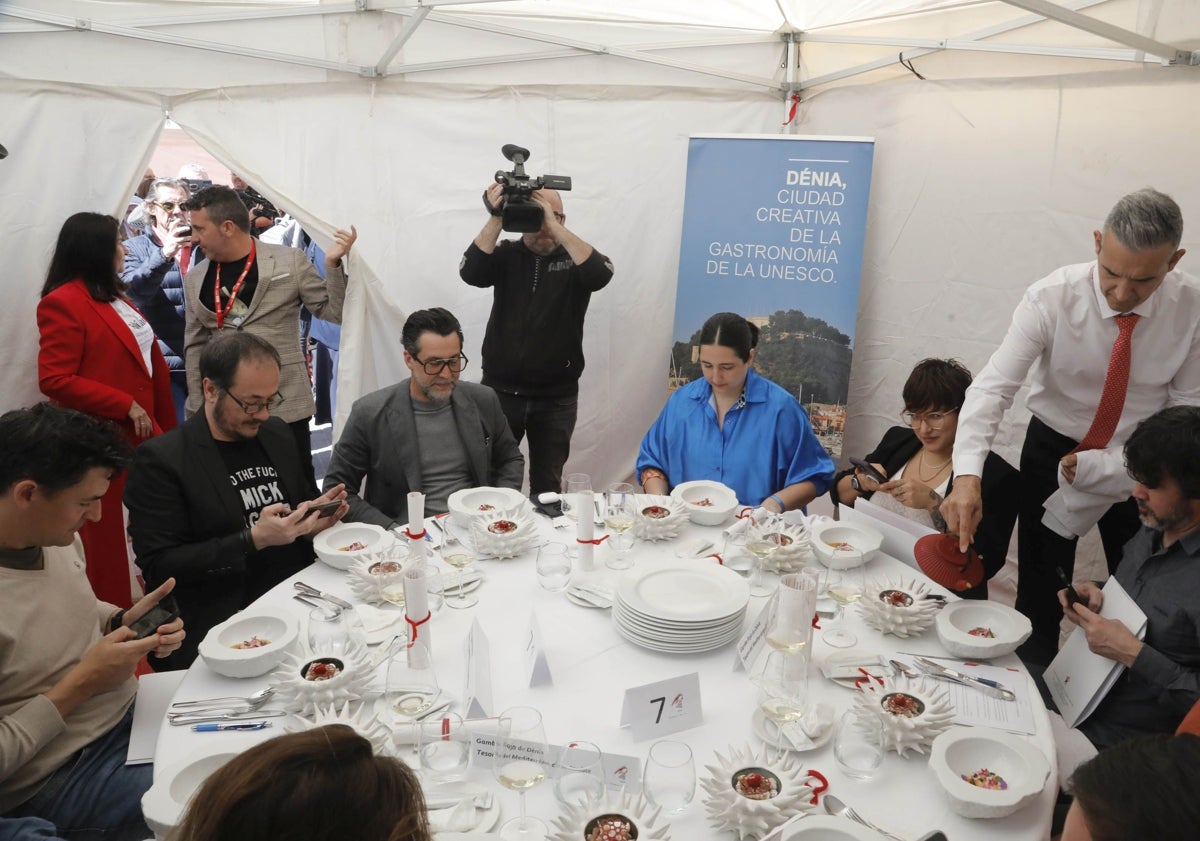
pixel 70 149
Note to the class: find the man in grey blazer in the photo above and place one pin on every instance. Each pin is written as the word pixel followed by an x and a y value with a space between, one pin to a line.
pixel 257 287
pixel 429 433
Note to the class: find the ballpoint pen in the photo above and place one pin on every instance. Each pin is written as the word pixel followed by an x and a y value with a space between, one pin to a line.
pixel 215 727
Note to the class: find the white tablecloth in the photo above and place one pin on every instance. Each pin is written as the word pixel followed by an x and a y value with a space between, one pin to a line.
pixel 592 666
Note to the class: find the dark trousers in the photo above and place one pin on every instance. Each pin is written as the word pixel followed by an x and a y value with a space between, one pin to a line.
pixel 1041 552
pixel 303 436
pixel 549 422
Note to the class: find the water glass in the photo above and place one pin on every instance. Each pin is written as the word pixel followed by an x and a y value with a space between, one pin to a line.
pixel 619 511
pixel 858 745
pixel 445 748
pixel 580 779
pixel 328 635
pixel 573 485
pixel 553 567
pixel 669 781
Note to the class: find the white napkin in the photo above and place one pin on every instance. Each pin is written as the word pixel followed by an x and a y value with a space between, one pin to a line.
pixel 804 731
pixel 459 819
pixel 1072 512
pixel 416 606
pixel 584 529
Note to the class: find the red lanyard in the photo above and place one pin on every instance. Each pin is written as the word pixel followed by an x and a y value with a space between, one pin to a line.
pixel 237 287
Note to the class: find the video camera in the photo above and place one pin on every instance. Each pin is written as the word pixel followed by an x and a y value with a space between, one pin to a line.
pixel 521 214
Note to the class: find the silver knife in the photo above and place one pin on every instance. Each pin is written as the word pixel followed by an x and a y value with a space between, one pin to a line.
pixel 313 591
pixel 987 687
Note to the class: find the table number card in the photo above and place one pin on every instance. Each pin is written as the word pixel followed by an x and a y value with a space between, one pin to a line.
pixel 667 706
pixel 478 695
pixel 536 665
pixel 755 637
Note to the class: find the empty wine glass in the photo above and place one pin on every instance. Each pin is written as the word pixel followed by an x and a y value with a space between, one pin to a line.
pixel 669 781
pixel 519 763
pixel 619 507
pixel 580 777
pixel 411 686
pixel 845 586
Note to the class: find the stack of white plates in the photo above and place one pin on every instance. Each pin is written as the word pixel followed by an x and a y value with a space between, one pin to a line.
pixel 681 608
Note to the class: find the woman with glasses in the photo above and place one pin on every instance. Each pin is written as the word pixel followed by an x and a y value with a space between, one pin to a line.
pixel 736 428
pixel 98 355
pixel 155 264
pixel 916 461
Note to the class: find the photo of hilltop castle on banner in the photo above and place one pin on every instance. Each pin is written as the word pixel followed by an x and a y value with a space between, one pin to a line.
pixel 803 355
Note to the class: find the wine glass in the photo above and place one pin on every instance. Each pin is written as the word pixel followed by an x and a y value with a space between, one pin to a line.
pixel 669 781
pixel 619 506
pixel 580 777
pixel 789 626
pixel 411 686
pixel 783 686
pixel 457 554
pixel 519 763
pixel 845 586
pixel 761 541
pixel 574 485
pixel 388 571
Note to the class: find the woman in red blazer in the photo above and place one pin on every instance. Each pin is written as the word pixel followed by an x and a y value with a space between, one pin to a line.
pixel 98 355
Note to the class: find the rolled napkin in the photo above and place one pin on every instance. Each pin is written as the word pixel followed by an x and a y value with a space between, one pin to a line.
pixel 584 529
pixel 416 607
pixel 416 524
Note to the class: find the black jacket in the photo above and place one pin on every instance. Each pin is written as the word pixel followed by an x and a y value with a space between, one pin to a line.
pixel 186 520
pixel 999 486
pixel 534 340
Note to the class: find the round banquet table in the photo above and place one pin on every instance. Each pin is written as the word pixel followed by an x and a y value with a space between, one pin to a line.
pixel 592 666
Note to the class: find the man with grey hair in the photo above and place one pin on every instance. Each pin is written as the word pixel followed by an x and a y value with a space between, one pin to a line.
pixel 1092 378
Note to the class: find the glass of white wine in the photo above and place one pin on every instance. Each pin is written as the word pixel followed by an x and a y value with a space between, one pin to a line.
pixel 789 626
pixel 619 506
pixel 519 763
pixel 459 555
pixel 762 540
pixel 388 572
pixel 783 686
pixel 845 585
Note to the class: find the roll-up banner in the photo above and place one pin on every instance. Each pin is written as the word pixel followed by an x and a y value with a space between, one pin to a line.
pixel 773 229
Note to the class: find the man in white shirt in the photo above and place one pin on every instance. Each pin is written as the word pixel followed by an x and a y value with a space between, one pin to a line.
pixel 1085 398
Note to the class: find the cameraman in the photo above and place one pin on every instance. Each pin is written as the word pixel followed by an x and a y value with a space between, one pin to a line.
pixel 533 347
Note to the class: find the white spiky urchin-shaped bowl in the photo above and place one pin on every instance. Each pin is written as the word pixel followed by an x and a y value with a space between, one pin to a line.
pixel 794 547
pixel 305 696
pixel 503 544
pixel 572 824
pixel 357 716
pixel 731 811
pixel 365 584
pixel 658 528
pixel 904 733
pixel 897 607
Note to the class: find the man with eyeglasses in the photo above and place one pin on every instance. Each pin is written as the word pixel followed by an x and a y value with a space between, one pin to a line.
pixel 222 503
pixel 533 347
pixel 1105 344
pixel 429 433
pixel 155 265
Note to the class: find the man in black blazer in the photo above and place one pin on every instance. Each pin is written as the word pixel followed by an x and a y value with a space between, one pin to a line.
pixel 221 502
pixel 429 433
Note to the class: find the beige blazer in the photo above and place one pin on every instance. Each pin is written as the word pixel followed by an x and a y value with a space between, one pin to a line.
pixel 285 281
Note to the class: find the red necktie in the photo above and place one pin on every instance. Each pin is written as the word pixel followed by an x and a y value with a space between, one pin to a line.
pixel 185 257
pixel 1116 381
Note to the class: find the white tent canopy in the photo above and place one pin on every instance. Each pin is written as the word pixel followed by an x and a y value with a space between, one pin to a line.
pixel 1031 119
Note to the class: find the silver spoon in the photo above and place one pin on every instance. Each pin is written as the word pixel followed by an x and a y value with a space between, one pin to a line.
pixel 838 809
pixel 253 701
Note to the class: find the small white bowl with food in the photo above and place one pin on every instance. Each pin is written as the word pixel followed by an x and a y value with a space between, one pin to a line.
pixel 248 644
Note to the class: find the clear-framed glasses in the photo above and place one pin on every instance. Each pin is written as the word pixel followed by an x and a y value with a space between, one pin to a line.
pixel 934 420
pixel 435 366
pixel 257 406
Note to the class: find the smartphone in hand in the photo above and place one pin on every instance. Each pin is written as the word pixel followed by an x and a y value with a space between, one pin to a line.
pixel 1073 597
pixel 324 509
pixel 869 469
pixel 162 613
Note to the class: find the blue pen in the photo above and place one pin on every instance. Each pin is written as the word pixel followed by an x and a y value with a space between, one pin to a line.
pixel 216 728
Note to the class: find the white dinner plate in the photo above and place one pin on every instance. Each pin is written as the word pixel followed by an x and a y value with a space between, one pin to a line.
pixel 649 629
pixel 660 622
pixel 674 646
pixel 688 592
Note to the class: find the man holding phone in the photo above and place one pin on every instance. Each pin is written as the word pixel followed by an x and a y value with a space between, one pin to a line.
pixel 223 504
pixel 67 660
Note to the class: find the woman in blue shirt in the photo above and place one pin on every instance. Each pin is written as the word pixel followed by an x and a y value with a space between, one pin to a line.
pixel 736 428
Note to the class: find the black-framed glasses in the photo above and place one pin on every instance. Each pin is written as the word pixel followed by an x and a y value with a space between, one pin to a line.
pixel 433 367
pixel 934 420
pixel 258 406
